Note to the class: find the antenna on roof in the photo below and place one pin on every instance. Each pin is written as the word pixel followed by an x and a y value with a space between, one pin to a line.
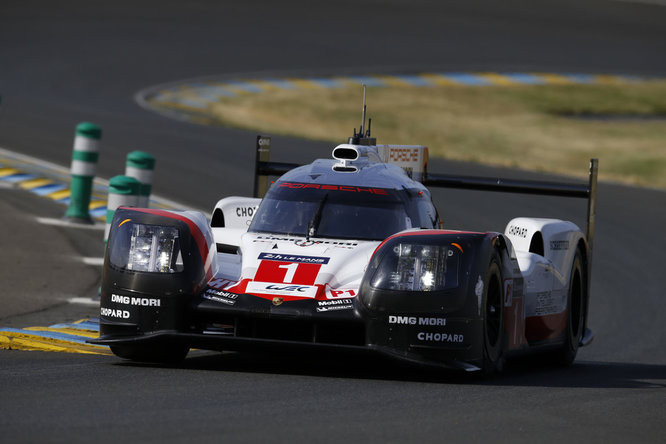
pixel 363 137
pixel 363 114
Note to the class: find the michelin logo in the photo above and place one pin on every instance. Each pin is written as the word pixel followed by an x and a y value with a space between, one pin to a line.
pixel 334 307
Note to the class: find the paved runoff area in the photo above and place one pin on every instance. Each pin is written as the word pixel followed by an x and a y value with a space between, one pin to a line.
pixel 52 268
pixel 49 299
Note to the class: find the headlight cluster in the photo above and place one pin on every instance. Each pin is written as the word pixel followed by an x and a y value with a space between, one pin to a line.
pixel 148 248
pixel 415 267
pixel 153 248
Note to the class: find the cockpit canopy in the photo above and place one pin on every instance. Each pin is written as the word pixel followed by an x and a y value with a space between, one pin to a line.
pixel 342 211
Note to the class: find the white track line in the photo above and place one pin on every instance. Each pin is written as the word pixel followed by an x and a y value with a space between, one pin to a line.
pixel 66 223
pixel 83 301
pixel 97 261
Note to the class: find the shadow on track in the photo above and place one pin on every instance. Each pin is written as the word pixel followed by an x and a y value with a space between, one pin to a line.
pixel 531 371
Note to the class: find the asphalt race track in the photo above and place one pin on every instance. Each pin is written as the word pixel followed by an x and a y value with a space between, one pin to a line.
pixel 66 62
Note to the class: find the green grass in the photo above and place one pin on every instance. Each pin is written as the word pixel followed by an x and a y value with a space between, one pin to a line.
pixel 518 126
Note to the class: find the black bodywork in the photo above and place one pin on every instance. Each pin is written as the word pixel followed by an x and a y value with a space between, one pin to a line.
pixel 173 311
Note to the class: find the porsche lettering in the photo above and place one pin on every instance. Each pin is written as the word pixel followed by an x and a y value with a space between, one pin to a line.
pixel 404 154
pixel 316 186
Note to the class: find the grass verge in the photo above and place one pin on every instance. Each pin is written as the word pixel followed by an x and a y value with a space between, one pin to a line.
pixel 534 127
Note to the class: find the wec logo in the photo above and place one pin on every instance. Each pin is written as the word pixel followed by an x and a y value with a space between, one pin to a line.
pixel 283 289
pixel 287 288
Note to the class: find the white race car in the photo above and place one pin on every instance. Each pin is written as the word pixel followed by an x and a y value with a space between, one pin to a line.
pixel 347 254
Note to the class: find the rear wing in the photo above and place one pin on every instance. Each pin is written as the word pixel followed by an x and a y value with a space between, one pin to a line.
pixel 414 158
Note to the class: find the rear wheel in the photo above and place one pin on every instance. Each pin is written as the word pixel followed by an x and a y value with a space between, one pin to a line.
pixel 159 353
pixel 573 332
pixel 493 318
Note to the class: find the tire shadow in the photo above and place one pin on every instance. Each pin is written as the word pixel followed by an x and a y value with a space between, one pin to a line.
pixel 532 371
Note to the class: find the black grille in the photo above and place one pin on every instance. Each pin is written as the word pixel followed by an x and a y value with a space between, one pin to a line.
pixel 346 333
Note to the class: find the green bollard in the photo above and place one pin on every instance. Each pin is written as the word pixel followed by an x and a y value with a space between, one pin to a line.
pixel 123 191
pixel 140 165
pixel 84 167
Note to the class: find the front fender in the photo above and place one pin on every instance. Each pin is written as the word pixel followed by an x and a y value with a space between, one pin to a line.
pixel 440 322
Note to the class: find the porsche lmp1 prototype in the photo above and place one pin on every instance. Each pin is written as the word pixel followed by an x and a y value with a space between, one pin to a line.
pixel 347 254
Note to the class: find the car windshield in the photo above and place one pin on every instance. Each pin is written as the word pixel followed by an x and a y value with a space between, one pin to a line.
pixel 332 211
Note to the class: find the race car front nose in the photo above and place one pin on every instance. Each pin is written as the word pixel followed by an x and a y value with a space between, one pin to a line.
pixel 418 296
pixel 417 273
pixel 153 266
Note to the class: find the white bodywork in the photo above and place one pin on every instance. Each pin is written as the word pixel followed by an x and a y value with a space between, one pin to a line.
pixel 339 277
pixel 327 268
pixel 547 276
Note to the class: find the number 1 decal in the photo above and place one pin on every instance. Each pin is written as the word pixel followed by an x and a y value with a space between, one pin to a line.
pixel 291 272
pixel 287 272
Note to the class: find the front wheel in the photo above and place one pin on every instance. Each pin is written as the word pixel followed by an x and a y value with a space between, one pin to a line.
pixel 160 353
pixel 573 332
pixel 493 318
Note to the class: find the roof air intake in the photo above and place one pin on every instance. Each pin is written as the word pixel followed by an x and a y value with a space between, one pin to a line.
pixel 345 153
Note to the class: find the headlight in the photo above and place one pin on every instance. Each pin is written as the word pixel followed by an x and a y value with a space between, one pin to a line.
pixel 154 248
pixel 415 267
pixel 148 248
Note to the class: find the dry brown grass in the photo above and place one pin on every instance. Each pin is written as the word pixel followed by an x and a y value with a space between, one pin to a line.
pixel 517 126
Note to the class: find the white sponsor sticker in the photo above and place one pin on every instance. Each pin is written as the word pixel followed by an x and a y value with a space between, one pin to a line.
pixel 340 293
pixel 295 290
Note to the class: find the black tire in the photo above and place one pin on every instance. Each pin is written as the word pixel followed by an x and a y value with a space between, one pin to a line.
pixel 493 318
pixel 160 354
pixel 576 298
